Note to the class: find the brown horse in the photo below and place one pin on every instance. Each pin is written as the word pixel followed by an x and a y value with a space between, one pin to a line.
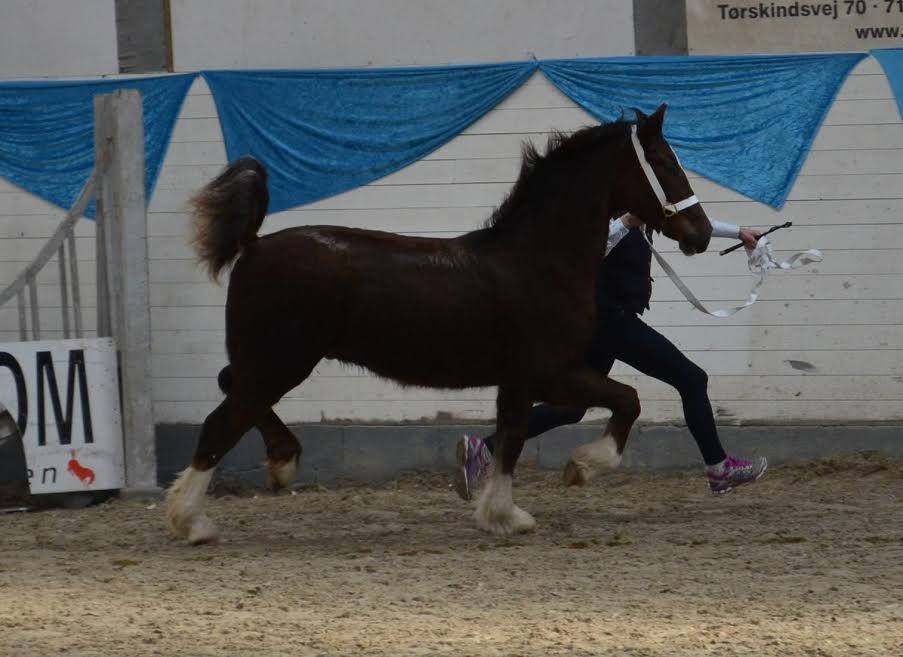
pixel 511 304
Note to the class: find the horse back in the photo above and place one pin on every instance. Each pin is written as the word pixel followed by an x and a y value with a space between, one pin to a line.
pixel 450 313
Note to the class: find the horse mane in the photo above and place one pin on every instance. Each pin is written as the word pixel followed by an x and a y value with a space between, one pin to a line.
pixel 563 153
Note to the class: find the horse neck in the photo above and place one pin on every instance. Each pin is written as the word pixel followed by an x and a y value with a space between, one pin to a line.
pixel 582 233
pixel 575 236
pixel 564 216
pixel 578 226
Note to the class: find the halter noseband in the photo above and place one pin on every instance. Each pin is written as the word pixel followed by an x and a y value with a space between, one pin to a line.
pixel 670 209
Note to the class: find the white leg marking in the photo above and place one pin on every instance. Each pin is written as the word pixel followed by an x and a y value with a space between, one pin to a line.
pixel 282 474
pixel 496 511
pixel 592 458
pixel 185 506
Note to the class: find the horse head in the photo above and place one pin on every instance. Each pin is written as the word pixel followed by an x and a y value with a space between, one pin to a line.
pixel 653 186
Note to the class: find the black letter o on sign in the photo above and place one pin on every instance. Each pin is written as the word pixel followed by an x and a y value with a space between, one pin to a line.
pixel 7 360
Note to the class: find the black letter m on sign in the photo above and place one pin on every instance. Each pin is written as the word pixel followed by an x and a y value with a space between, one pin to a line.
pixel 63 424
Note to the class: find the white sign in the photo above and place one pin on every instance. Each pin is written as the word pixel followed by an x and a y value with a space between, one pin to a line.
pixel 744 26
pixel 64 395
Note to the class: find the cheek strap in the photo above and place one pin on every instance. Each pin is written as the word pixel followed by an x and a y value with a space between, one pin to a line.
pixel 670 209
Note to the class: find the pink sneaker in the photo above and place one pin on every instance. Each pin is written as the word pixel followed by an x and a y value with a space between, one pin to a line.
pixel 732 472
pixel 474 463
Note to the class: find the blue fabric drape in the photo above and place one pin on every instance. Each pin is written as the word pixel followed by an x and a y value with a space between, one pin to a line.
pixel 892 62
pixel 323 132
pixel 47 131
pixel 746 122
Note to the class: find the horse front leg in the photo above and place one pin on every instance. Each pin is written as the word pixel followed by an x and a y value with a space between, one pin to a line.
pixel 496 511
pixel 586 387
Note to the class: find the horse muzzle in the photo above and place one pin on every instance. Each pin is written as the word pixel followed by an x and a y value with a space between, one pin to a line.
pixel 692 245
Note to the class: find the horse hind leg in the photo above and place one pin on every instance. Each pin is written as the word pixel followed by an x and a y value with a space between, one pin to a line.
pixel 496 511
pixel 585 387
pixel 605 452
pixel 283 451
pixel 222 429
pixel 592 458
pixel 283 448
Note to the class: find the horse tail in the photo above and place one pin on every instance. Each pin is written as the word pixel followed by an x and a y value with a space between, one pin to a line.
pixel 228 212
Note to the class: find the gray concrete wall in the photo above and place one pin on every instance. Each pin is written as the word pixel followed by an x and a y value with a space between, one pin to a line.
pixel 335 33
pixel 378 453
pixel 660 27
pixel 143 36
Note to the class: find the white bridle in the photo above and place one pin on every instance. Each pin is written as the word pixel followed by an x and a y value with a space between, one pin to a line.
pixel 670 209
pixel 760 258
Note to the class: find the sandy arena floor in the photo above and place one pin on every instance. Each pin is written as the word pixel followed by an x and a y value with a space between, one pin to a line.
pixel 807 562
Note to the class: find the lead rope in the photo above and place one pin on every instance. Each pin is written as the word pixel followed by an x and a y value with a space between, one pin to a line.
pixel 761 261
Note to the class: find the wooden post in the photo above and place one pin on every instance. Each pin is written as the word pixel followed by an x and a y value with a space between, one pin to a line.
pixel 129 278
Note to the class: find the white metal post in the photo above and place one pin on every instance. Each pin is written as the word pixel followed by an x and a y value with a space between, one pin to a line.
pixel 129 279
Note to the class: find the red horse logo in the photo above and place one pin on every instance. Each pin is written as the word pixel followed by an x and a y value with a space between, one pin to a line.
pixel 85 475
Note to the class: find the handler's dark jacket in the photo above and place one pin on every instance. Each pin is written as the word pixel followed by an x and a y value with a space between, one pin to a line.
pixel 624 282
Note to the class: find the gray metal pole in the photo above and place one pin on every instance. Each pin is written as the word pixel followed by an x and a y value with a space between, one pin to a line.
pixel 64 292
pixel 35 310
pixel 23 309
pixel 102 153
pixel 76 292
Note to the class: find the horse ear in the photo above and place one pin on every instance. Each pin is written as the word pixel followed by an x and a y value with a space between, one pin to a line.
pixel 657 119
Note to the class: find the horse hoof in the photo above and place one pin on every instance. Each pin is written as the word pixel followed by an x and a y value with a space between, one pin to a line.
pixel 183 506
pixel 522 522
pixel 203 531
pixel 176 520
pixel 575 474
pixel 178 528
pixel 282 474
pixel 517 521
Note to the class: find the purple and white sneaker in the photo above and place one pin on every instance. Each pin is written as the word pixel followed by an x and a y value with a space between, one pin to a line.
pixel 474 462
pixel 732 472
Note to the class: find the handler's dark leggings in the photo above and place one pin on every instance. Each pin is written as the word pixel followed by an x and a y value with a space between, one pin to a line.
pixel 625 337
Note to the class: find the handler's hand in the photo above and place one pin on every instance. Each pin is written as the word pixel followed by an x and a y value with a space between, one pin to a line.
pixel 749 237
pixel 631 220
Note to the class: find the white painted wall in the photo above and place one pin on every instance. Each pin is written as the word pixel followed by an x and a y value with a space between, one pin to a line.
pixel 57 38
pixel 331 33
pixel 844 316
